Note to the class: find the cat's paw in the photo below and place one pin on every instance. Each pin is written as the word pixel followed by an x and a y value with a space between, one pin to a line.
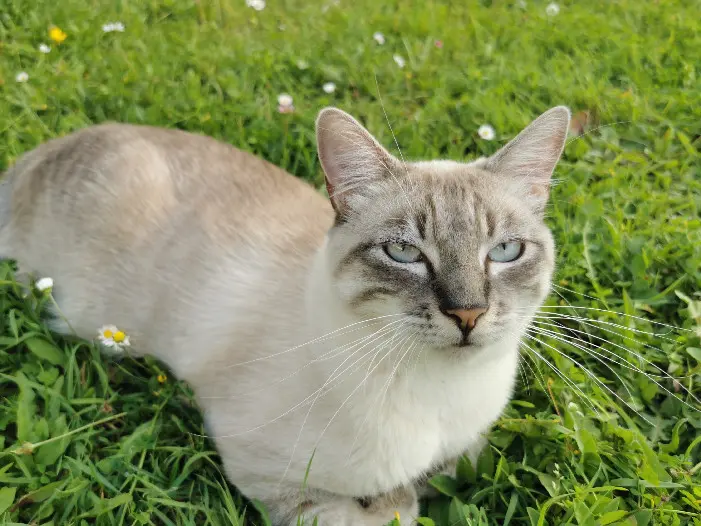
pixel 345 511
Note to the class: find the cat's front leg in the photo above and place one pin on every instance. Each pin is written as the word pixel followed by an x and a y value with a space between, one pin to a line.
pixel 335 510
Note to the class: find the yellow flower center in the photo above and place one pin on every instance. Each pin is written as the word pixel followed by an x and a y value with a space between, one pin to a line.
pixel 119 336
pixel 107 334
pixel 162 378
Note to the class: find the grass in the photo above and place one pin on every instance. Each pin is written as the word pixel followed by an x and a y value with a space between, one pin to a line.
pixel 86 440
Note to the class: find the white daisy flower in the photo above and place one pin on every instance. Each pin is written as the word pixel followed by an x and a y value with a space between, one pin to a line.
pixel 284 99
pixel 379 37
pixel 486 132
pixel 44 284
pixel 44 48
pixel 552 9
pixel 329 87
pixel 399 60
pixel 258 5
pixel 302 64
pixel 22 76
pixel 113 26
pixel 111 336
pixel 285 105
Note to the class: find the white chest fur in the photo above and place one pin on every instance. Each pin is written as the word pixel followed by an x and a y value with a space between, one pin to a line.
pixel 430 414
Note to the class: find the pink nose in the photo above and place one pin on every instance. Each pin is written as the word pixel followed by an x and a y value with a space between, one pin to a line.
pixel 468 317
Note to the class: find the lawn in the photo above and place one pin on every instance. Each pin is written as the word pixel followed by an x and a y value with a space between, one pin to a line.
pixel 605 427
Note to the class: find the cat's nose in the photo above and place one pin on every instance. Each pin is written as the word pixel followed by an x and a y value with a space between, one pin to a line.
pixel 466 318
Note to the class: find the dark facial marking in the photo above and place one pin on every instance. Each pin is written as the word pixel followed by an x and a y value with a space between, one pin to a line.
pixel 491 222
pixel 371 294
pixel 421 220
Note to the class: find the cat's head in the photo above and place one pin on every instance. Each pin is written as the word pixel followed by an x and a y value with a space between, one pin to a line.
pixel 458 251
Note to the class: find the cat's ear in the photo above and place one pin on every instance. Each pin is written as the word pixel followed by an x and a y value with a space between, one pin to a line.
pixel 533 154
pixel 350 157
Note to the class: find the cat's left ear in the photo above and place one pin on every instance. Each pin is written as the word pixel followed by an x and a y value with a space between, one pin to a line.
pixel 351 157
pixel 534 153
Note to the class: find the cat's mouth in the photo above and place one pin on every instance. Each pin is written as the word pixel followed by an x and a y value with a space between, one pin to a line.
pixel 468 343
pixel 473 341
pixel 465 342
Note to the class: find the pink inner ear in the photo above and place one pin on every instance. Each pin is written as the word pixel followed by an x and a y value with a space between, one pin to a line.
pixel 330 190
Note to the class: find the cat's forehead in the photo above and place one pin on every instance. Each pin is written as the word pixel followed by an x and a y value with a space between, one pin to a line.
pixel 447 199
pixel 450 179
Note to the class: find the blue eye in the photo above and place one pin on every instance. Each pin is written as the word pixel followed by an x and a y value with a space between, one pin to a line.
pixel 506 252
pixel 403 253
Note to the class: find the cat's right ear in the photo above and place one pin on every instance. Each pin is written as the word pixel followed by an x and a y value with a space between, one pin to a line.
pixel 531 157
pixel 350 157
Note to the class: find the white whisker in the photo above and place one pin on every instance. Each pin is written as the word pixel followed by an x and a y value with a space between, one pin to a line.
pixel 591 375
pixel 371 408
pixel 557 371
pixel 576 307
pixel 298 404
pixel 330 379
pixel 348 398
pixel 592 322
pixel 628 364
pixel 333 353
pixel 601 359
pixel 315 340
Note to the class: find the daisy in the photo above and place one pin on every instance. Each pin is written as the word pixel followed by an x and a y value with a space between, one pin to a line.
pixel 302 64
pixel 329 87
pixel 22 76
pixel 111 336
pixel 486 132
pixel 258 5
pixel 399 60
pixel 552 9
pixel 44 48
pixel 285 103
pixel 113 26
pixel 57 35
pixel 44 284
pixel 379 37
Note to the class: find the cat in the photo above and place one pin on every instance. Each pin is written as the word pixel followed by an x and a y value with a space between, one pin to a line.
pixel 349 346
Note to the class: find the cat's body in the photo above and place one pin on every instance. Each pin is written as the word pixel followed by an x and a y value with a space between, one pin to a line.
pixel 297 342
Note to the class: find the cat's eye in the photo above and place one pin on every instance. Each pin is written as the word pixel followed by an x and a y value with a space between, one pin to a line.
pixel 506 252
pixel 403 253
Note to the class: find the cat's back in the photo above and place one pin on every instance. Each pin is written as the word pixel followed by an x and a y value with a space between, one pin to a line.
pixel 142 177
pixel 126 218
